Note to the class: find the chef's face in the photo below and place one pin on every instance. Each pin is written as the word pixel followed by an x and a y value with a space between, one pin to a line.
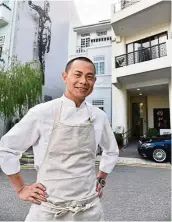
pixel 80 79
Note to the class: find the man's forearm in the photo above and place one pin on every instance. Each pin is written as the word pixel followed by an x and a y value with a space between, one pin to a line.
pixel 17 181
pixel 102 174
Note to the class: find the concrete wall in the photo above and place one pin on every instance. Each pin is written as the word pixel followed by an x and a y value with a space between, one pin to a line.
pixel 61 13
pixel 119 108
pixel 160 101
pixel 8 32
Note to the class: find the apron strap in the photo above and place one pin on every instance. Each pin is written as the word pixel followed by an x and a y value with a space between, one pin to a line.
pixel 61 210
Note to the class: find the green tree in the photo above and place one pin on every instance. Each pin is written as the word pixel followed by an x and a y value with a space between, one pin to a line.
pixel 20 88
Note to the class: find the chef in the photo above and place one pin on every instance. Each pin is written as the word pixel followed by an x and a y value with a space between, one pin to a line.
pixel 64 134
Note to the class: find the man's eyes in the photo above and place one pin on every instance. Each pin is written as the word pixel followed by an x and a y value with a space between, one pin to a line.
pixel 77 74
pixel 90 77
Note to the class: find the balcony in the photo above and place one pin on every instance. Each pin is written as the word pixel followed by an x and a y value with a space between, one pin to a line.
pixel 147 64
pixel 134 16
pixel 81 50
pixel 5 12
pixel 142 55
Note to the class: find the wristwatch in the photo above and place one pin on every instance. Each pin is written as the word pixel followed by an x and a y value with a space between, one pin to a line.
pixel 101 181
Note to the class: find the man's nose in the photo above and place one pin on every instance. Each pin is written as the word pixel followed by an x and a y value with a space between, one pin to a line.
pixel 83 80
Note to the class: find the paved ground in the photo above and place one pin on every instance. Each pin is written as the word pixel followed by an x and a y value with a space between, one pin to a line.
pixel 131 194
pixel 130 151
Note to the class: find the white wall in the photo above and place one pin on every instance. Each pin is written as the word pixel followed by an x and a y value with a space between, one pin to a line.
pixel 105 95
pixel 103 84
pixel 62 13
pixel 102 89
pixel 7 31
pixel 160 101
pixel 119 108
pixel 102 51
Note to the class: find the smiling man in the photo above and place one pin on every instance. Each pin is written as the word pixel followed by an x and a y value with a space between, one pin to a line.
pixel 65 134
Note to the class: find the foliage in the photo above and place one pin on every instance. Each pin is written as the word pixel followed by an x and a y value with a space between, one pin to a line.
pixel 152 132
pixel 119 139
pixel 20 88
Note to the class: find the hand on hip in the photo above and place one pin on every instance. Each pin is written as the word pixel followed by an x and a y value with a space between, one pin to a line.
pixel 34 193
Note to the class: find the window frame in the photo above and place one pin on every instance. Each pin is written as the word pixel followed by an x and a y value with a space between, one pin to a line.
pixel 141 42
pixel 98 60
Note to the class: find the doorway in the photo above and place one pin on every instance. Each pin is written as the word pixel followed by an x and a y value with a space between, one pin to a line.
pixel 137 119
pixel 138 116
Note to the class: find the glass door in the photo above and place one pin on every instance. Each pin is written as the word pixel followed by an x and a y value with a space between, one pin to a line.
pixel 137 119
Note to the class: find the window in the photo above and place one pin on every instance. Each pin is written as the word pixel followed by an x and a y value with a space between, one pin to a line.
pixel 101 39
pixel 99 65
pixel 102 33
pixel 85 42
pixel 146 49
pixel 99 58
pixel 99 103
pixel 147 42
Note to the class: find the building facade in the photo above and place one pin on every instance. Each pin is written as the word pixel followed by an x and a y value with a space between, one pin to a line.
pixel 141 66
pixel 38 31
pixel 94 41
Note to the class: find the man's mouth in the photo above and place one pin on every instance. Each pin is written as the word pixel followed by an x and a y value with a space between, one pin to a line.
pixel 81 88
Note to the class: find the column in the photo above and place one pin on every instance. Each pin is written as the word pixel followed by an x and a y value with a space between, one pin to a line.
pixel 119 108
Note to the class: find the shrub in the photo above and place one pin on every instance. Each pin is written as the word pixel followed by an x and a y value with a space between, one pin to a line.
pixel 152 132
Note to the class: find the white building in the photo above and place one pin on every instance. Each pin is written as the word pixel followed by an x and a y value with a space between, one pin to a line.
pixel 141 65
pixel 94 41
pixel 26 29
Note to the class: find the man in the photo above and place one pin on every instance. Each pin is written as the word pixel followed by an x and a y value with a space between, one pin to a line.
pixel 44 32
pixel 65 134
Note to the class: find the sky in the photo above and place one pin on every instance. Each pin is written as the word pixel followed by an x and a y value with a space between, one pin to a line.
pixel 92 11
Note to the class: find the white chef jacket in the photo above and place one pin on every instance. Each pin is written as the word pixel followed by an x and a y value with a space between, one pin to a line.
pixel 36 126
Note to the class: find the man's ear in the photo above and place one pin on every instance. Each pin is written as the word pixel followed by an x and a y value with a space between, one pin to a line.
pixel 64 76
pixel 95 79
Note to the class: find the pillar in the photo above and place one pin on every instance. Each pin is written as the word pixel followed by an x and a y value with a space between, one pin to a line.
pixel 119 108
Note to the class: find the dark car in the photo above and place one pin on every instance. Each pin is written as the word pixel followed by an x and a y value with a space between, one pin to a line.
pixel 158 149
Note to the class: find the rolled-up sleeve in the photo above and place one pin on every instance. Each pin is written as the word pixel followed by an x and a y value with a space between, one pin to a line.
pixel 110 148
pixel 22 136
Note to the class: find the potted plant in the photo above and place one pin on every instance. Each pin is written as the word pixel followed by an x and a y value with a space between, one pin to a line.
pixel 119 139
pixel 152 133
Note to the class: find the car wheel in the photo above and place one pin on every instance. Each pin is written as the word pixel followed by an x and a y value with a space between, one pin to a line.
pixel 159 155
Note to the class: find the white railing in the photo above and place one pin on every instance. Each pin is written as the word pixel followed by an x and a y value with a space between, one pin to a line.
pixel 122 4
pixel 80 49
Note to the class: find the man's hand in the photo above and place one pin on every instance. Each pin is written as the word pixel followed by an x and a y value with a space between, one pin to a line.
pixel 29 2
pixel 99 189
pixel 34 193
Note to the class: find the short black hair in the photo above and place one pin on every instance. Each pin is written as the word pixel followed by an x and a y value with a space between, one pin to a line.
pixel 81 58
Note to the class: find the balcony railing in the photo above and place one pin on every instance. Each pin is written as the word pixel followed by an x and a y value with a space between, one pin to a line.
pixel 122 4
pixel 80 49
pixel 142 55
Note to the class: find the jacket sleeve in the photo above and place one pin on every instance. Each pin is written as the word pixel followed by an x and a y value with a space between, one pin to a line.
pixel 23 135
pixel 110 148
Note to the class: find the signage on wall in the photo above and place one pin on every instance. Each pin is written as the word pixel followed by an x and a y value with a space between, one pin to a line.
pixel 165 131
pixel 161 118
